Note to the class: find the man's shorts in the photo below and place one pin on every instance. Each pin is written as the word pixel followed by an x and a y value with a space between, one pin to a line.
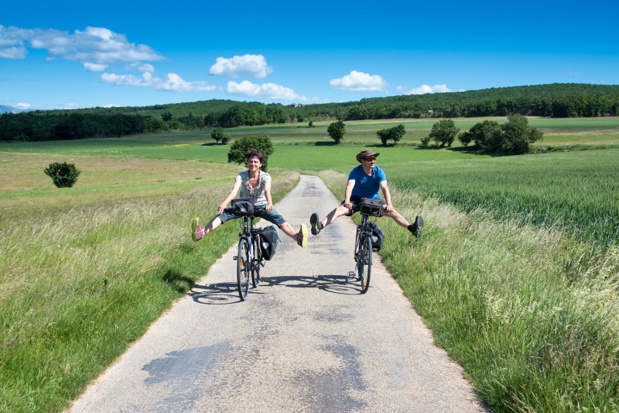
pixel 260 212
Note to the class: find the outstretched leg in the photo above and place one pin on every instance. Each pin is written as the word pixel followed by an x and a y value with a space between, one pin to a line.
pixel 198 231
pixel 318 225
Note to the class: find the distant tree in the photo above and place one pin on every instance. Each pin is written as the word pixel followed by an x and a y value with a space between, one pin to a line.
pixel 444 132
pixel 336 131
pixel 240 149
pixel 167 116
pixel 64 175
pixel 485 135
pixel 518 135
pixel 394 134
pixel 219 135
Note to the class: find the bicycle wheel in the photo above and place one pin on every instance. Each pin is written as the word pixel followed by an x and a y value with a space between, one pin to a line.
pixel 364 262
pixel 255 265
pixel 243 268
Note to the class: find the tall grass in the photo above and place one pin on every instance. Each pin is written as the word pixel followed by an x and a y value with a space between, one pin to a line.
pixel 578 192
pixel 535 326
pixel 80 283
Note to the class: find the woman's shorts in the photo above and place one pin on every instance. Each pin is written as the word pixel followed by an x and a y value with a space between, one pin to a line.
pixel 260 212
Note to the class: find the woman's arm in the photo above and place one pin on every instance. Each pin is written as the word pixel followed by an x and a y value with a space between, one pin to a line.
pixel 235 189
pixel 267 194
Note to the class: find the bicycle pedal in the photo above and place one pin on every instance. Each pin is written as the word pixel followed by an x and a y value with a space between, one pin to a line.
pixel 351 274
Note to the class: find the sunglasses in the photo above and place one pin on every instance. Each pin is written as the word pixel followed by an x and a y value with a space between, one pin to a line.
pixel 370 159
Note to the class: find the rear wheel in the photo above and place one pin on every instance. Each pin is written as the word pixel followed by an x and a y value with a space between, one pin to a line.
pixel 255 267
pixel 243 268
pixel 364 263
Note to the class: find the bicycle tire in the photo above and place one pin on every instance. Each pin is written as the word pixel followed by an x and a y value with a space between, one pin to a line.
pixel 243 266
pixel 364 262
pixel 256 264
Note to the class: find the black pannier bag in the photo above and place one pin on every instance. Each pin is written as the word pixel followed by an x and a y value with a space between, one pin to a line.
pixel 378 236
pixel 373 207
pixel 242 207
pixel 268 241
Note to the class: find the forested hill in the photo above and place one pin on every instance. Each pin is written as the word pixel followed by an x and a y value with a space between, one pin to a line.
pixel 553 100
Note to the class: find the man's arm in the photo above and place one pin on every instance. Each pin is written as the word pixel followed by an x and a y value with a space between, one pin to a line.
pixel 387 195
pixel 349 186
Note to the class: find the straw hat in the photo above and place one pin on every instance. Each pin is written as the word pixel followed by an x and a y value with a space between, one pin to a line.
pixel 367 153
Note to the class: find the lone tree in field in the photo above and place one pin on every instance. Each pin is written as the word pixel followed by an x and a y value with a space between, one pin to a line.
pixel 241 148
pixel 64 175
pixel 336 131
pixel 444 132
pixel 219 135
pixel 518 135
pixel 394 134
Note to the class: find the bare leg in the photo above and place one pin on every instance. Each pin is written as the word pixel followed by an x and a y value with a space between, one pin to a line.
pixel 335 214
pixel 212 225
pixel 399 219
pixel 299 237
pixel 288 230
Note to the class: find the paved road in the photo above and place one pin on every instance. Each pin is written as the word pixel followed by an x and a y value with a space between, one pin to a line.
pixel 304 341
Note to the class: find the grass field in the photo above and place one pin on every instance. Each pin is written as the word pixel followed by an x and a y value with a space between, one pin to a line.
pixel 517 272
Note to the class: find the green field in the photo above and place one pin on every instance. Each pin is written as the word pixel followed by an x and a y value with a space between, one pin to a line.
pixel 516 274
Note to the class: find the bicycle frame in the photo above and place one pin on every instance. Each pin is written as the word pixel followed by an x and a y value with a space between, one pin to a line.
pixel 363 253
pixel 249 259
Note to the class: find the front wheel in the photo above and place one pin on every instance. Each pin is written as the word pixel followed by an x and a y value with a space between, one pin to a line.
pixel 243 266
pixel 364 262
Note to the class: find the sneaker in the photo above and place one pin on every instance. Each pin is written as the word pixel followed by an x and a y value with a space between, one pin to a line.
pixel 197 232
pixel 302 236
pixel 415 227
pixel 316 224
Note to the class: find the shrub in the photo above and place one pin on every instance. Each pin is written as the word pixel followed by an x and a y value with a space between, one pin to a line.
pixel 336 131
pixel 64 175
pixel 444 132
pixel 395 134
pixel 219 135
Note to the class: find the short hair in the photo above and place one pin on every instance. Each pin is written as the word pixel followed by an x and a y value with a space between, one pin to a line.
pixel 256 154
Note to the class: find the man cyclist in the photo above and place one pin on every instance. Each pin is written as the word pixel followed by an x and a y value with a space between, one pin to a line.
pixel 364 181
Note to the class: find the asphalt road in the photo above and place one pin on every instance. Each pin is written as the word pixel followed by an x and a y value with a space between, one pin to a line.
pixel 305 340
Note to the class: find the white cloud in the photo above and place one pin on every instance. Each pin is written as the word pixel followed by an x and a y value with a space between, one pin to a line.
pixel 270 91
pixel 93 46
pixel 173 82
pixel 359 82
pixel 15 52
pixel 424 89
pixel 93 67
pixel 23 105
pixel 250 65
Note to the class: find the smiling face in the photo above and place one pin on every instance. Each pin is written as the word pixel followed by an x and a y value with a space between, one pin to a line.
pixel 253 163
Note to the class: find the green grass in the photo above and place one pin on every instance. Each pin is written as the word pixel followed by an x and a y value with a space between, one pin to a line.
pixel 533 324
pixel 575 191
pixel 516 274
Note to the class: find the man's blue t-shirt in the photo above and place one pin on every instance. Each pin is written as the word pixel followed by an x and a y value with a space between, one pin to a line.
pixel 367 186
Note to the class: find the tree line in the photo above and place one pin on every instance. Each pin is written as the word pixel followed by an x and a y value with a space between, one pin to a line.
pixel 554 100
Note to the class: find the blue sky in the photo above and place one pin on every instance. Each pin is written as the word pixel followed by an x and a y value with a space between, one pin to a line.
pixel 70 54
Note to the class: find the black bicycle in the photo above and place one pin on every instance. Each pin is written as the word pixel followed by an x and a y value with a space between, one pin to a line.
pixel 363 241
pixel 249 258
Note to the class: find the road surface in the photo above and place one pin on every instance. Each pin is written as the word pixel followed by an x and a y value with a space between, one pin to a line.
pixel 305 340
